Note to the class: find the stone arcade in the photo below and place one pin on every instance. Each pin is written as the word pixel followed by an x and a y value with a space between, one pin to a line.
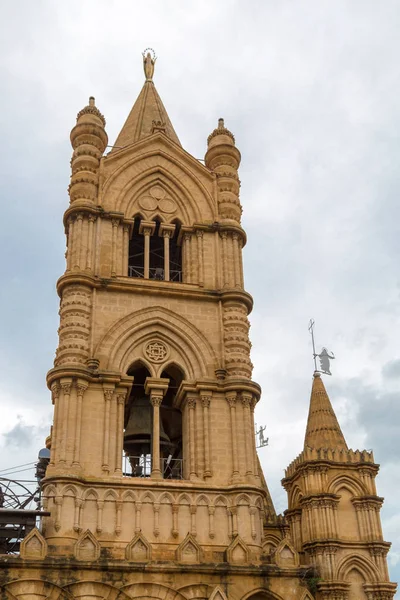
pixel 154 486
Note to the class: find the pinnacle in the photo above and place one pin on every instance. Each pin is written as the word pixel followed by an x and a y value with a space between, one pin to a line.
pixel 323 429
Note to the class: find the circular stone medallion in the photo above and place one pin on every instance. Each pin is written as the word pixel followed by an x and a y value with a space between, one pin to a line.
pixel 156 351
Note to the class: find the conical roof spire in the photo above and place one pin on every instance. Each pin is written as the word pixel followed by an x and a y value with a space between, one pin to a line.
pixel 323 429
pixel 148 114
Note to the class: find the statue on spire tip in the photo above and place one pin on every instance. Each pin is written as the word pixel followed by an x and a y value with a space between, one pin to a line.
pixel 149 60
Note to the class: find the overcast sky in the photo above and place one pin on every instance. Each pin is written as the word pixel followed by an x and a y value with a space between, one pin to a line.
pixel 311 91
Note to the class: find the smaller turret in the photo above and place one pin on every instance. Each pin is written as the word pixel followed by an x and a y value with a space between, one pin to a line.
pixel 223 158
pixel 334 509
pixel 89 140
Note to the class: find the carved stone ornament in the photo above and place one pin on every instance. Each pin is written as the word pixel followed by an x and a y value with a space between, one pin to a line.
pixel 156 351
pixel 157 198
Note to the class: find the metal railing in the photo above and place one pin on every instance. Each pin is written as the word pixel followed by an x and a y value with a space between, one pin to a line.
pixel 140 466
pixel 154 273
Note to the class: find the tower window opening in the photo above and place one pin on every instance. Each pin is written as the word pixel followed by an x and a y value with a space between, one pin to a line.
pixel 156 254
pixel 136 252
pixel 175 253
pixel 138 427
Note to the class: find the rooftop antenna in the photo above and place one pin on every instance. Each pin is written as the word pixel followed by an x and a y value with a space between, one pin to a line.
pixel 324 356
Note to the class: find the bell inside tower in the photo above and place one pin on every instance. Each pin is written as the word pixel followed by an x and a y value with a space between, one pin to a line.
pixel 139 426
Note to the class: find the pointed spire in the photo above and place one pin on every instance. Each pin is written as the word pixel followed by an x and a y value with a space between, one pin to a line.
pixel 148 114
pixel 323 429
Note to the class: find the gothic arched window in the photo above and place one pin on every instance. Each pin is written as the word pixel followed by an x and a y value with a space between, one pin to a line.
pixel 136 251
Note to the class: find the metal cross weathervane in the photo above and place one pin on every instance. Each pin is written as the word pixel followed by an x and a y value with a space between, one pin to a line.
pixel 324 356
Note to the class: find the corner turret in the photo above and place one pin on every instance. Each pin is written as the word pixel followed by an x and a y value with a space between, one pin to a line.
pixel 334 509
pixel 223 158
pixel 89 140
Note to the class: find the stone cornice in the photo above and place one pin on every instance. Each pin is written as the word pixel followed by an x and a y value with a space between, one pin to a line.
pixel 160 485
pixel 221 386
pixel 336 542
pixel 90 209
pixel 88 375
pixel 120 566
pixel 350 459
pixel 187 291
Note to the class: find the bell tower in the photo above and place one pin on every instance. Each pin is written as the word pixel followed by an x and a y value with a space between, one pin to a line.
pixel 153 432
pixel 154 490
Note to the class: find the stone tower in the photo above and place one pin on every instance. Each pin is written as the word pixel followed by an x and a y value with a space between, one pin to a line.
pixel 154 489
pixel 334 509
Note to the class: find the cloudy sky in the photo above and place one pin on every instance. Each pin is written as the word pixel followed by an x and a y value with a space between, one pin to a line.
pixel 310 90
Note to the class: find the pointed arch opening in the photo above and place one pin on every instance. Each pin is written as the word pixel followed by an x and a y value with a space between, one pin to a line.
pixel 138 425
pixel 154 249
pixel 136 250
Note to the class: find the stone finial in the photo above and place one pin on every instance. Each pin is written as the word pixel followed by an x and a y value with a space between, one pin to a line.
pixel 91 109
pixel 221 130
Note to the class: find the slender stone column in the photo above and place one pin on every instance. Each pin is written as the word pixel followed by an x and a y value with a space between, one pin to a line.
pixel 166 231
pixel 80 390
pixel 83 243
pixel 233 511
pixel 248 439
pixel 156 509
pixel 66 385
pixel 205 401
pixel 89 254
pixel 225 274
pixel 118 527
pixel 55 433
pixel 255 464
pixel 193 511
pixel 191 402
pixel 252 510
pixel 115 224
pixel 58 502
pixel 146 234
pixel 78 240
pixel 138 517
pixel 119 448
pixel 175 511
pixel 211 511
pixel 69 255
pixel 166 255
pixel 231 399
pixel 156 400
pixel 240 244
pixel 108 394
pixel 147 228
pixel 77 516
pixel 187 256
pixel 199 235
pixel 156 388
pixel 100 506
pixel 125 250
